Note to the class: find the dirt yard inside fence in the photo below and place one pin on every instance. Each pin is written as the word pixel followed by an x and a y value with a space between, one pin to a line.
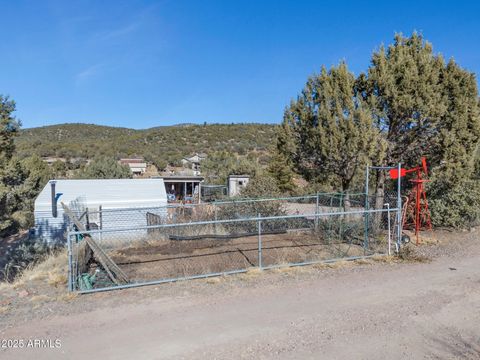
pixel 159 259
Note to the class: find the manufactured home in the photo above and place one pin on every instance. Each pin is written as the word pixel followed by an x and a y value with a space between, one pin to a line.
pixel 133 198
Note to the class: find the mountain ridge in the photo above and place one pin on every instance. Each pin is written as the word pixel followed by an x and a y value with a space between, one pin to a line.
pixel 162 143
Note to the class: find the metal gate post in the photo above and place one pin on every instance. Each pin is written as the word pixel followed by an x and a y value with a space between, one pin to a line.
pixel 389 231
pixel 316 211
pixel 216 218
pixel 342 217
pixel 259 243
pixel 399 205
pixel 365 243
pixel 100 220
pixel 70 272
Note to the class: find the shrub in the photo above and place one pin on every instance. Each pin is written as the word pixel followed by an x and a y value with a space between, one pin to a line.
pixel 30 252
pixel 455 206
pixel 261 186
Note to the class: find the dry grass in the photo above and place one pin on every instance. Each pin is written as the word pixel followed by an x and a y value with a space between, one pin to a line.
pixel 339 264
pixel 424 237
pixel 292 269
pixel 53 270
pixel 251 274
pixel 40 298
pixel 366 261
pixel 407 254
pixel 320 266
pixel 55 279
pixel 67 297
pixel 214 280
pixel 5 286
pixel 4 309
pixel 387 259
pixel 348 263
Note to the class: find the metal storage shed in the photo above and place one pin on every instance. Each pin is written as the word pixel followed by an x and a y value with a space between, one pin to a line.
pixel 135 195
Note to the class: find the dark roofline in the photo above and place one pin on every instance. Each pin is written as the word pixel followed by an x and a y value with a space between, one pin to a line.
pixel 179 178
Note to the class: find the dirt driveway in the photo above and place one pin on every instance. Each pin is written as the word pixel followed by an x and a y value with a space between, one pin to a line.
pixel 427 310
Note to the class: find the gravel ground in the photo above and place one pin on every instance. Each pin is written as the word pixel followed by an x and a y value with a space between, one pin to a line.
pixel 426 307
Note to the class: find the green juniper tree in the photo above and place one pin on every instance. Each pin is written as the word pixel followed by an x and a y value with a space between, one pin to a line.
pixel 20 180
pixel 422 108
pixel 8 129
pixel 280 169
pixel 454 149
pixel 104 167
pixel 454 196
pixel 328 129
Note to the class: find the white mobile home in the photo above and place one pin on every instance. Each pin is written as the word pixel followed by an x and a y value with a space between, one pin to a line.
pixel 133 196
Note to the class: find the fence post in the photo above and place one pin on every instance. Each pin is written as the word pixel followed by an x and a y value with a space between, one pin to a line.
pixel 365 244
pixel 216 218
pixel 70 272
pixel 100 220
pixel 342 217
pixel 259 243
pixel 399 206
pixel 317 206
pixel 389 232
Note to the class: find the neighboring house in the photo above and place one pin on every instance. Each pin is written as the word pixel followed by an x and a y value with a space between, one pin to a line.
pixel 183 188
pixel 236 183
pixel 137 166
pixel 100 197
pixel 193 162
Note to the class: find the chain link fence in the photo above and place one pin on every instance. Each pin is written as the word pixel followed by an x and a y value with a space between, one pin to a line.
pixel 197 241
pixel 241 208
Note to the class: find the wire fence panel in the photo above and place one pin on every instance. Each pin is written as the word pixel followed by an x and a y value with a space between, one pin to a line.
pixel 221 210
pixel 164 251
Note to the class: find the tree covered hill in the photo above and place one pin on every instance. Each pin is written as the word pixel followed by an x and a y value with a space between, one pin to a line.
pixel 159 144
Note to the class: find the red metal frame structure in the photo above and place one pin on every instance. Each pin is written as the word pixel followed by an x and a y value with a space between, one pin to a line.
pixel 416 214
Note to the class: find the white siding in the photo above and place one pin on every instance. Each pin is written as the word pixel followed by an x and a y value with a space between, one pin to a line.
pixel 110 194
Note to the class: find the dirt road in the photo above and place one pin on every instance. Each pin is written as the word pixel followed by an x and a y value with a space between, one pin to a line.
pixel 382 311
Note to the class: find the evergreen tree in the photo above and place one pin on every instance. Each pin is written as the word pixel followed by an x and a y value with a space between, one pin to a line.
pixel 422 108
pixel 218 165
pixel 404 90
pixel 455 148
pixel 59 169
pixel 105 168
pixel 328 129
pixel 10 174
pixel 9 126
pixel 281 171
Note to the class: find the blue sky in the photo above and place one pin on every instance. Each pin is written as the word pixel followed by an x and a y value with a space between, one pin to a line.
pixel 145 63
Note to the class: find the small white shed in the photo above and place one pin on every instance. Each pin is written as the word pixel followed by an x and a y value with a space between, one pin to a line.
pixel 236 183
pixel 136 195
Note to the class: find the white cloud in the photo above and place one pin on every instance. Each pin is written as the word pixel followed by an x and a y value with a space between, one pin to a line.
pixel 87 73
pixel 116 33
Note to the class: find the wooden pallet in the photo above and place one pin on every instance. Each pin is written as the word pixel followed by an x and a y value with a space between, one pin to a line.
pixel 112 269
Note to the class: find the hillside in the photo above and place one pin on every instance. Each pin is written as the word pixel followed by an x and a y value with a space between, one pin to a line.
pixel 168 143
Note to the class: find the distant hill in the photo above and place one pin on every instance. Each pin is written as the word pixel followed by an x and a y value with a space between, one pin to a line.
pixel 165 143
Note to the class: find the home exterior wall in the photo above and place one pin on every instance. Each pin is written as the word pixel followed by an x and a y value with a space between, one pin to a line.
pixel 127 194
pixel 137 166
